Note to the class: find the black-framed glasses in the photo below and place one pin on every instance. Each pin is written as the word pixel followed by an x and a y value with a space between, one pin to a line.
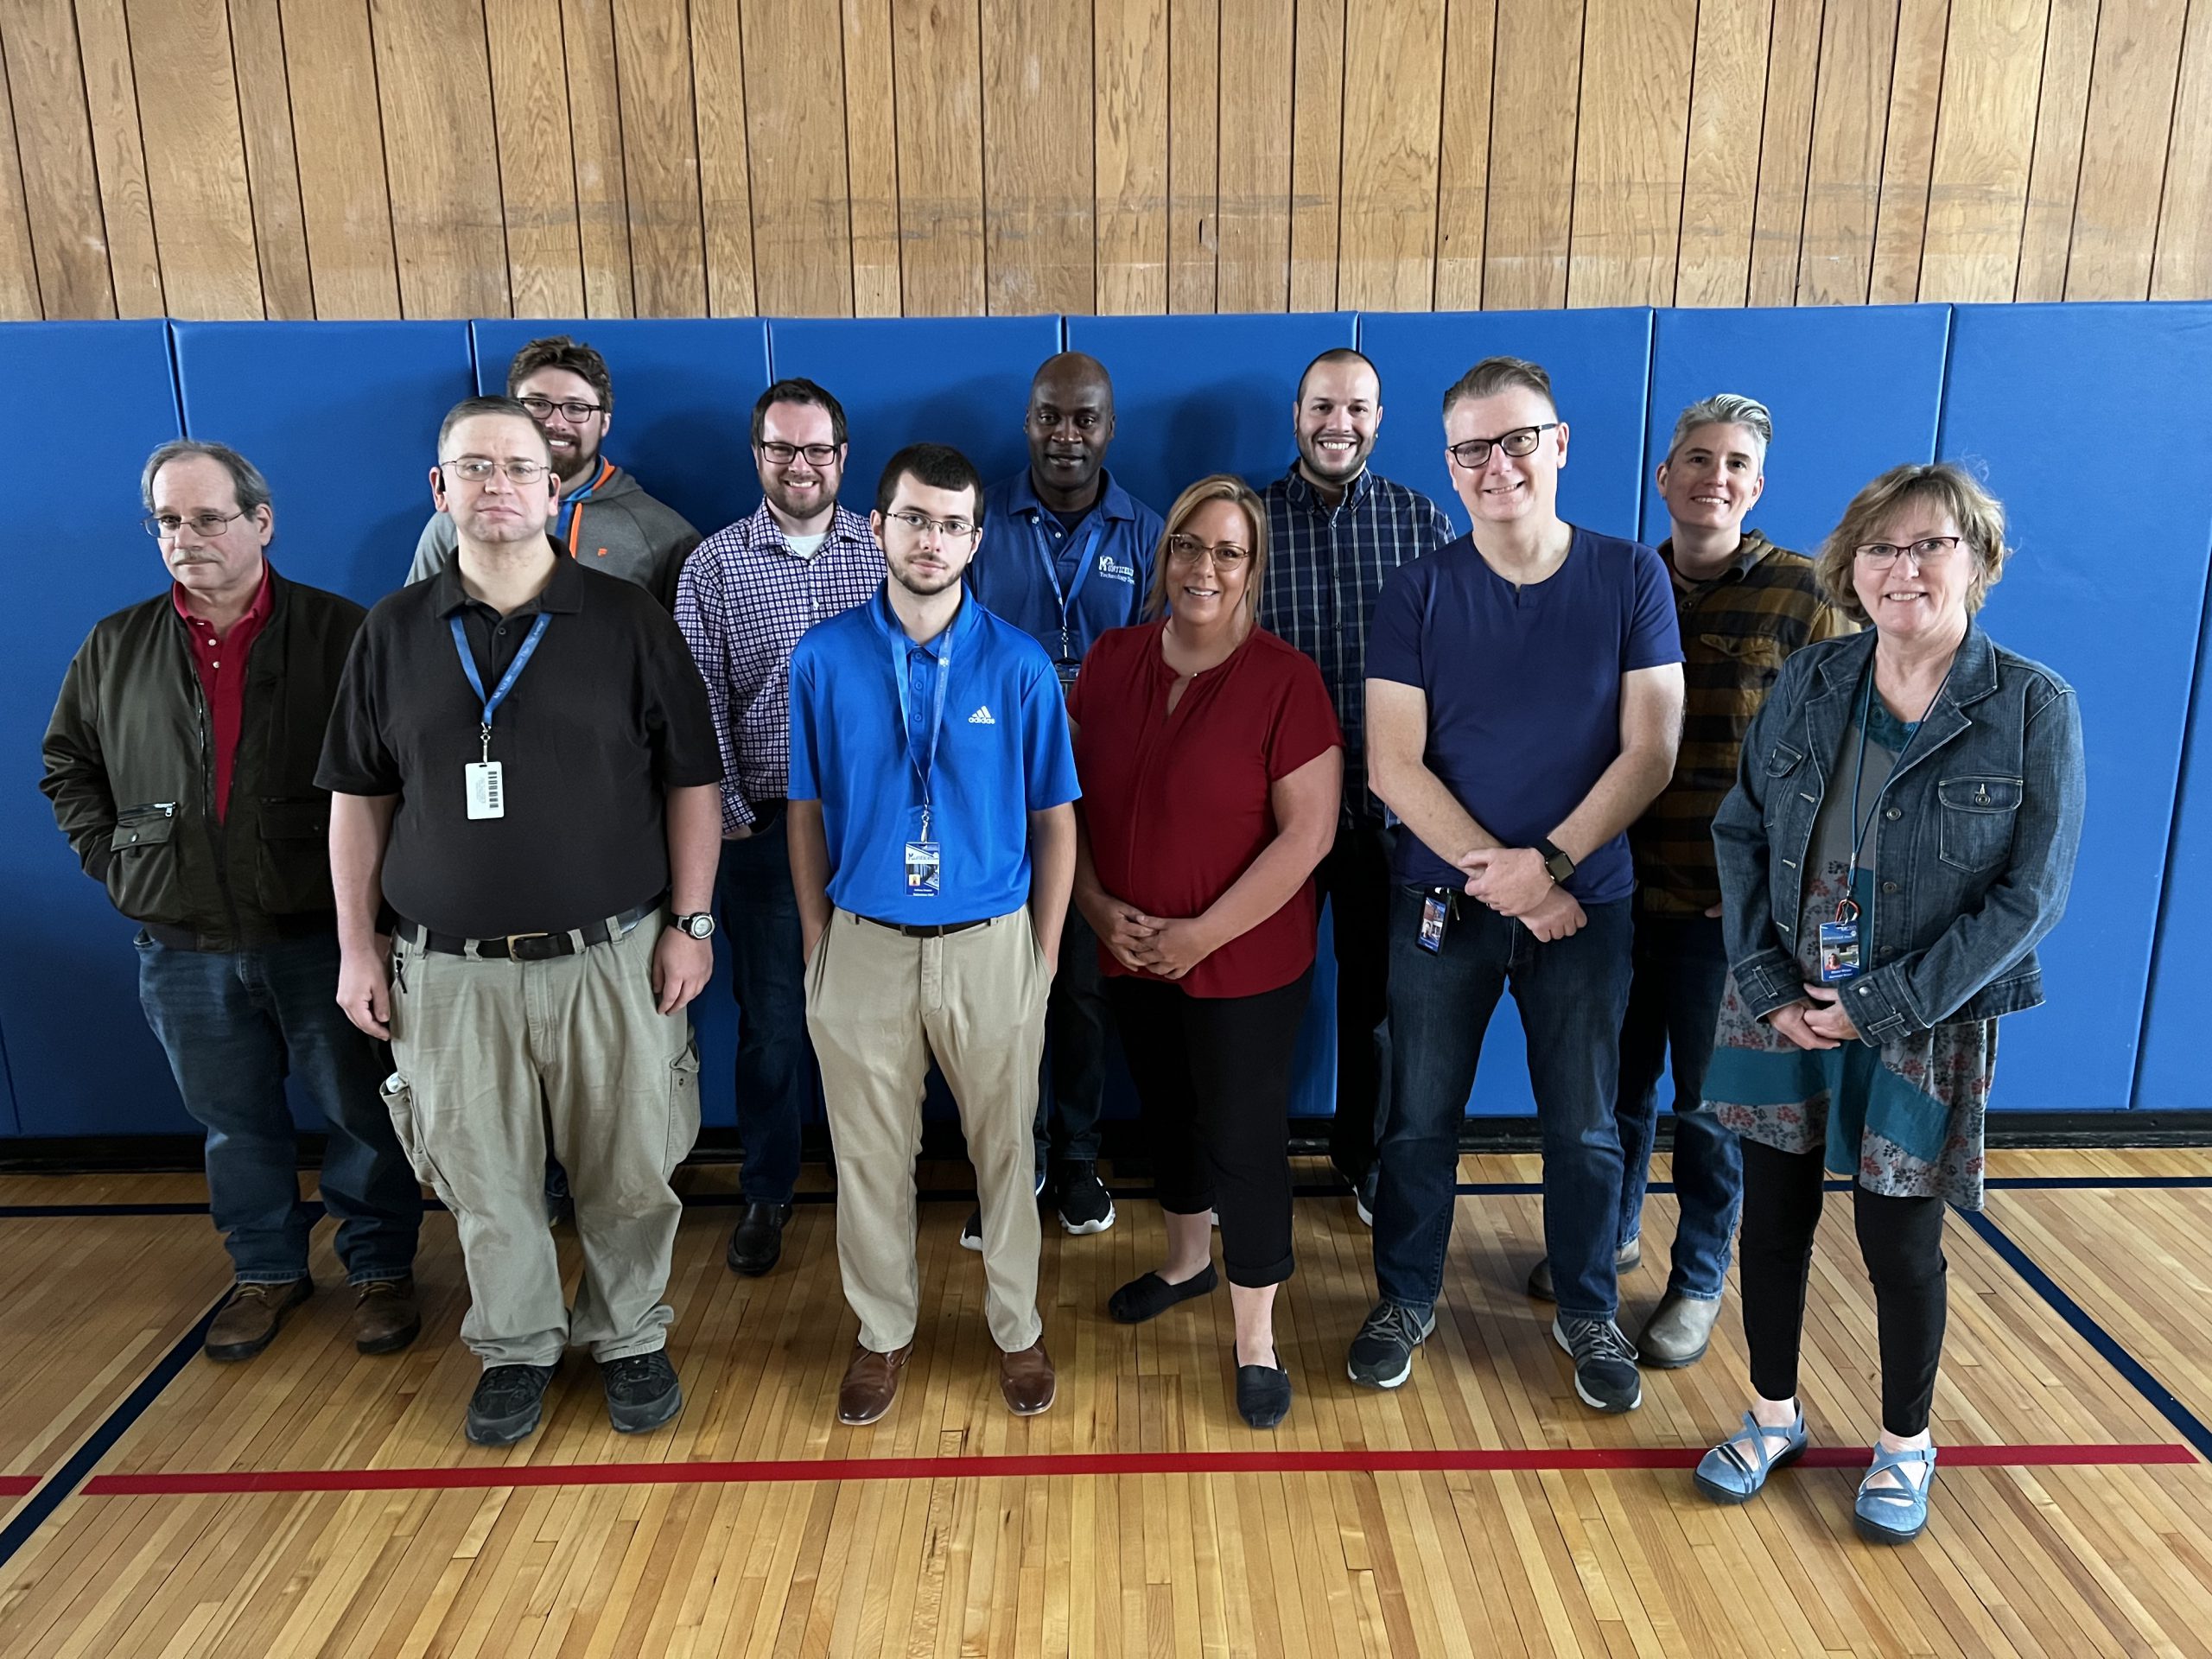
pixel 1880 556
pixel 1225 556
pixel 572 410
pixel 162 525
pixel 1521 441
pixel 782 454
pixel 478 469
pixel 953 529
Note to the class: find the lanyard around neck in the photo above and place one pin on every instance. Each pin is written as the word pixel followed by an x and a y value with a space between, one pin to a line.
pixel 901 648
pixel 1066 601
pixel 507 680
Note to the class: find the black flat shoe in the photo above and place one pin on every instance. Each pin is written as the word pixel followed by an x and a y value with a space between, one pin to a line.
pixel 1149 1296
pixel 1262 1395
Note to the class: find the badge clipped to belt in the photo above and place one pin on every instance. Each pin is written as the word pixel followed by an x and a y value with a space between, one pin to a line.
pixel 1435 911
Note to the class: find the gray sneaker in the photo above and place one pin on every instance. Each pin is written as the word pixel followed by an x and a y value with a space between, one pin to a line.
pixel 1383 1353
pixel 1678 1331
pixel 1604 1363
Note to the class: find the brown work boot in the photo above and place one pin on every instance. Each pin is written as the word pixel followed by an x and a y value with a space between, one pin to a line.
pixel 871 1384
pixel 1026 1380
pixel 386 1316
pixel 249 1322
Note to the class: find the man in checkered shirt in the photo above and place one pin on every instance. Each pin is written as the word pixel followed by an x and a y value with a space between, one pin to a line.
pixel 745 597
pixel 1335 532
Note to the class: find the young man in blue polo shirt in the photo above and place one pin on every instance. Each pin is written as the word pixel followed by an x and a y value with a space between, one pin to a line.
pixel 1524 697
pixel 932 850
pixel 1067 554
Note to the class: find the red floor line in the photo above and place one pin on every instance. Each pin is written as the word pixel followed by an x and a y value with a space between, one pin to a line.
pixel 1069 1463
pixel 19 1485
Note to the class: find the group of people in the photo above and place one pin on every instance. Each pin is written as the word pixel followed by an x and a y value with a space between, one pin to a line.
pixel 982 775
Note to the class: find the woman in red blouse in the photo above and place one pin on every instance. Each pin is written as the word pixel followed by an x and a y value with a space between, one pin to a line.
pixel 1211 763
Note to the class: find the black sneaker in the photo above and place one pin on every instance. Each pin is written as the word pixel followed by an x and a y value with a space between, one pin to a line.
pixel 1383 1353
pixel 508 1403
pixel 971 1231
pixel 1085 1205
pixel 642 1391
pixel 1604 1363
pixel 1362 1194
pixel 757 1243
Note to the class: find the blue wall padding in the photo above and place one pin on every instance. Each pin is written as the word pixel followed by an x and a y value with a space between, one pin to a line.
pixel 683 395
pixel 1197 395
pixel 1599 362
pixel 99 399
pixel 1854 391
pixel 2091 420
pixel 2171 1077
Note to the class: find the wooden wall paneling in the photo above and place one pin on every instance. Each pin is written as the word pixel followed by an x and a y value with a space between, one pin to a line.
pixel 538 175
pixel 2124 151
pixel 872 157
pixel 1535 97
pixel 1785 151
pixel 2182 269
pixel 2054 171
pixel 345 194
pixel 19 295
pixel 195 157
pixel 1256 77
pixel 1909 155
pixel 795 107
pixel 1394 94
pixel 1038 241
pixel 1720 182
pixel 1985 143
pixel 1630 151
pixel 60 180
pixel 937 74
pixel 1193 153
pixel 1129 150
pixel 1463 155
pixel 272 170
pixel 660 156
pixel 596 135
pixel 1317 115
pixel 119 152
pixel 1843 180
pixel 434 87
pixel 725 158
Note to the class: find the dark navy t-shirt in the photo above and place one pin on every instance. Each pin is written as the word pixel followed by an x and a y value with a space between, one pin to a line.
pixel 1524 688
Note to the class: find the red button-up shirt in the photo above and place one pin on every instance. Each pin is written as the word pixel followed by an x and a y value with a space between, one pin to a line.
pixel 222 674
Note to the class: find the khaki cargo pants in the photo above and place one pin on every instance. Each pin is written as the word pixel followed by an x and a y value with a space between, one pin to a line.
pixel 491 1055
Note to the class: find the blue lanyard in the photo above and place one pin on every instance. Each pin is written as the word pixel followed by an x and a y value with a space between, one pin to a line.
pixel 900 648
pixel 507 680
pixel 1066 601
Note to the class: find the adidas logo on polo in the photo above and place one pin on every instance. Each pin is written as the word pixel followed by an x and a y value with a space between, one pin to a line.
pixel 982 717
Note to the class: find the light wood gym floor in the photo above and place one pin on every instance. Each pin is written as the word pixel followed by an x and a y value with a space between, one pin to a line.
pixel 315 1502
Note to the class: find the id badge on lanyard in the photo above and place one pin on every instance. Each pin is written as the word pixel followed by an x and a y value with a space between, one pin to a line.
pixel 484 781
pixel 1840 957
pixel 1065 660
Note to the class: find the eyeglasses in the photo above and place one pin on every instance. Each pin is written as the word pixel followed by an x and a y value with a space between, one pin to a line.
pixel 571 409
pixel 1189 550
pixel 1880 556
pixel 1521 441
pixel 782 454
pixel 162 525
pixel 953 529
pixel 476 469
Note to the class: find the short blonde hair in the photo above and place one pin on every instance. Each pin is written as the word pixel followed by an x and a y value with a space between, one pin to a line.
pixel 1219 486
pixel 1979 515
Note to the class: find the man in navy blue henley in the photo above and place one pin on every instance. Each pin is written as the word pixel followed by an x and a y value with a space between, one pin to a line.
pixel 1524 698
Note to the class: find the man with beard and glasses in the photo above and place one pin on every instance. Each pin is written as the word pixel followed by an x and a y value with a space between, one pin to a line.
pixel 1335 532
pixel 1067 554
pixel 745 598
pixel 933 848
pixel 605 520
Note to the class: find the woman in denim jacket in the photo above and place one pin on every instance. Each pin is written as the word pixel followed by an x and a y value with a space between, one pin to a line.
pixel 1901 835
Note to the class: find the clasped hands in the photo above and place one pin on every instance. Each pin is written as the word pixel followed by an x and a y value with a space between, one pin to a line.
pixel 1513 881
pixel 1819 1021
pixel 1169 946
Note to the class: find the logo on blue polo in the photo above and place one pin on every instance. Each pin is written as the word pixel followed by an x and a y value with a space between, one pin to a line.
pixel 1117 572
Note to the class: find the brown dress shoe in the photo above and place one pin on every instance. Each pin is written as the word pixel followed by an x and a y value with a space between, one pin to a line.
pixel 249 1322
pixel 871 1384
pixel 1026 1380
pixel 386 1316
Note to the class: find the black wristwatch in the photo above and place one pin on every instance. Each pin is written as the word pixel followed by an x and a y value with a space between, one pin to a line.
pixel 700 926
pixel 1557 864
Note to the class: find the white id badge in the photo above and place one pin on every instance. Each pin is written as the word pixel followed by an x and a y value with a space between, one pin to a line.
pixel 922 865
pixel 487 792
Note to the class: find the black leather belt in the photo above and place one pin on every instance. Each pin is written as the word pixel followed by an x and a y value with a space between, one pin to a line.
pixel 524 947
pixel 929 929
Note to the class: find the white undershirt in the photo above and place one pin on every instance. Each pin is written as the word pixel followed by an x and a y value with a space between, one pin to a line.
pixel 807 546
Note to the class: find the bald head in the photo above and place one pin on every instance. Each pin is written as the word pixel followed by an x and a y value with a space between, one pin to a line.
pixel 1073 374
pixel 1070 421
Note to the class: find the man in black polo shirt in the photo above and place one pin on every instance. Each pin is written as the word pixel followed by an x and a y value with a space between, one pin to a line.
pixel 523 769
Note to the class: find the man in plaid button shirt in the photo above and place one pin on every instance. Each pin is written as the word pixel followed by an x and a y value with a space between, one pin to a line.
pixel 744 599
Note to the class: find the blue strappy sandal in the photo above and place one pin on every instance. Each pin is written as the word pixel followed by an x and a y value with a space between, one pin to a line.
pixel 1734 1471
pixel 1895 1515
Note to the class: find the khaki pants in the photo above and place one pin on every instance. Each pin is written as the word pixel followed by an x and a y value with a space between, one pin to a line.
pixel 878 1005
pixel 492 1054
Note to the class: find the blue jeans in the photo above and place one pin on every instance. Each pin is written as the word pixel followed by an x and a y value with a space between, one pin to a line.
pixel 776 1075
pixel 1673 999
pixel 235 1024
pixel 1571 993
